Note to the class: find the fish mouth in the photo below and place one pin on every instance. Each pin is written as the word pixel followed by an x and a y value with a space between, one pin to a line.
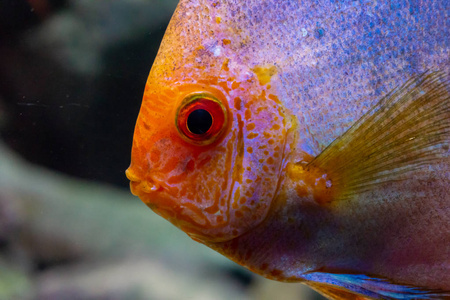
pixel 146 187
pixel 139 187
pixel 157 196
pixel 153 193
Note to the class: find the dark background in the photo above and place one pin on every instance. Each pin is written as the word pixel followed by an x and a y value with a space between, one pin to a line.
pixel 74 111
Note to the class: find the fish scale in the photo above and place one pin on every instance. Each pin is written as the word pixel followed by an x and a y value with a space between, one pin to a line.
pixel 332 163
pixel 352 59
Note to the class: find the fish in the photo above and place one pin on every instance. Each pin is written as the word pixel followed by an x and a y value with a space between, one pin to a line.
pixel 308 141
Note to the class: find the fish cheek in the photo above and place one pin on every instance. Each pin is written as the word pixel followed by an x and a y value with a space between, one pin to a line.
pixel 203 185
pixel 260 145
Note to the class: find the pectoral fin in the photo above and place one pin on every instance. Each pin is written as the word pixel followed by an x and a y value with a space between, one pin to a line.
pixel 408 129
pixel 359 287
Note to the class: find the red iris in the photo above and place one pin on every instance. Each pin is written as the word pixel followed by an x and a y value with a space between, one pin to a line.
pixel 201 119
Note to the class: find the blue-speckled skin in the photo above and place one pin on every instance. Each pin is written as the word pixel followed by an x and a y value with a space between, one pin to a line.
pixel 334 60
pixel 355 52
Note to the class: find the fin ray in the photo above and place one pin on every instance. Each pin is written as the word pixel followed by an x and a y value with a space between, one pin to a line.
pixel 408 128
pixel 334 293
pixel 363 286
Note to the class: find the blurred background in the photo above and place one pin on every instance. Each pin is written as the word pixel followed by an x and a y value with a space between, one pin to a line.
pixel 72 73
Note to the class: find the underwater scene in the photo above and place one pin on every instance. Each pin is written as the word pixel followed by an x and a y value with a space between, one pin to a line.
pixel 224 149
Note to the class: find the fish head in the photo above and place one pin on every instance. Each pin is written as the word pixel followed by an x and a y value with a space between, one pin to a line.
pixel 210 140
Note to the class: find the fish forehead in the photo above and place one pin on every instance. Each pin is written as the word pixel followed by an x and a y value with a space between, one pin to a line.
pixel 335 59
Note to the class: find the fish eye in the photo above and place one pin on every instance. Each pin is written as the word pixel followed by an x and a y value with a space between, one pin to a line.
pixel 201 118
pixel 199 121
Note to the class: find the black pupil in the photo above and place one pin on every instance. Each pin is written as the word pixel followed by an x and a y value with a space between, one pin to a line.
pixel 199 121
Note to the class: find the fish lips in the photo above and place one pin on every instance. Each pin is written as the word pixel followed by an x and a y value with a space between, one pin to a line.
pixel 158 198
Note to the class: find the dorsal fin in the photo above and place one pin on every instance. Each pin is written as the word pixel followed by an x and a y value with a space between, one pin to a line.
pixel 407 129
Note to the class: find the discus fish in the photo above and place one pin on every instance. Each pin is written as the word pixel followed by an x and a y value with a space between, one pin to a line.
pixel 306 140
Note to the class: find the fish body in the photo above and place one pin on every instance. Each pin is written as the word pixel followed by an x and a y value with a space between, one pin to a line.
pixel 325 155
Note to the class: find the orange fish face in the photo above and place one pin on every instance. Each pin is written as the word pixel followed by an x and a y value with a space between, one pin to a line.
pixel 215 182
pixel 211 139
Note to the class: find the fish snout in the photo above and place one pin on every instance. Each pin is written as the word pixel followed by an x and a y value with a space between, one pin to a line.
pixel 138 185
pixel 131 175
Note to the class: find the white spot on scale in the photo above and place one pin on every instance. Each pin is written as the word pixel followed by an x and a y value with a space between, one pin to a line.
pixel 304 32
pixel 217 51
